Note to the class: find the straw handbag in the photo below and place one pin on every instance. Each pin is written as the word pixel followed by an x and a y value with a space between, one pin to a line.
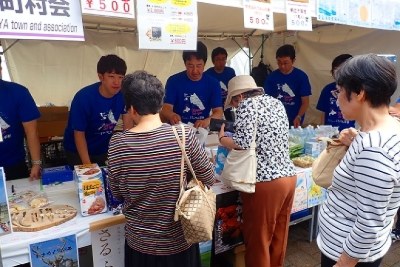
pixel 195 207
pixel 240 168
pixel 324 166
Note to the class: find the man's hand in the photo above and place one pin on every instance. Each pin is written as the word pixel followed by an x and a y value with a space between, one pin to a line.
pixel 35 172
pixel 174 119
pixel 297 122
pixel 202 123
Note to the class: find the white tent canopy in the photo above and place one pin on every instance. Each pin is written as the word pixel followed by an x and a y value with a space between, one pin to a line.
pixel 55 70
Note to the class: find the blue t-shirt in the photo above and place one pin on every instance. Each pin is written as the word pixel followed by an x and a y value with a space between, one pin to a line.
pixel 192 100
pixel 328 104
pixel 398 100
pixel 16 106
pixel 224 77
pixel 95 115
pixel 288 88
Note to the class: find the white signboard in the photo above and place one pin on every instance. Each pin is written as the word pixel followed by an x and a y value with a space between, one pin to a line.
pixel 110 8
pixel 44 19
pixel 108 245
pixel 167 24
pixel 298 16
pixel 258 15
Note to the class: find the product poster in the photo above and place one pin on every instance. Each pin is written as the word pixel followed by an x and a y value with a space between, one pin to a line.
pixel 109 8
pixel 257 14
pixel 298 15
pixel 378 14
pixel 300 193
pixel 41 20
pixel 5 226
pixel 316 195
pixel 108 246
pixel 228 221
pixel 55 252
pixel 167 24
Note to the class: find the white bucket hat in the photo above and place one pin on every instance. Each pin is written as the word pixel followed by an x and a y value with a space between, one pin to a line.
pixel 239 85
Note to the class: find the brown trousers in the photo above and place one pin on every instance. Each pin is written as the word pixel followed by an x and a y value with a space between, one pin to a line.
pixel 266 216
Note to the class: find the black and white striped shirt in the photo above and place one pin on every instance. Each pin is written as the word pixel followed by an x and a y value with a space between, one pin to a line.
pixel 358 214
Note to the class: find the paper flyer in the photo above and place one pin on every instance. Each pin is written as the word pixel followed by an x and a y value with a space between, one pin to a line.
pixel 167 24
pixel 5 225
pixel 257 14
pixel 298 15
pixel 61 251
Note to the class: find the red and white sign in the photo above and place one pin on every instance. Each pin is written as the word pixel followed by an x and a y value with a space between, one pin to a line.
pixel 109 8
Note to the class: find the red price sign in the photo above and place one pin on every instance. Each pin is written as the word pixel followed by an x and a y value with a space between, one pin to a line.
pixel 116 8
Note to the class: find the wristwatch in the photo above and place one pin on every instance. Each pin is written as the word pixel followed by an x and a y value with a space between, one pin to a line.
pixel 36 162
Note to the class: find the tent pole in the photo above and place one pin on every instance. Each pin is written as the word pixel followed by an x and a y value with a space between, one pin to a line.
pixel 11 45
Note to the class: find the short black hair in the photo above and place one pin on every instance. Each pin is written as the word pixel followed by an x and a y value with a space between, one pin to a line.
pixel 199 53
pixel 218 51
pixel 337 61
pixel 374 75
pixel 111 63
pixel 143 91
pixel 286 50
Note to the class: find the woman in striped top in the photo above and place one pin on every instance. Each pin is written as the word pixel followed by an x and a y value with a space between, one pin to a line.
pixel 144 170
pixel 357 217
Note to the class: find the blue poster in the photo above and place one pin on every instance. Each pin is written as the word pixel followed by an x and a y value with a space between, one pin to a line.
pixel 61 252
pixel 5 227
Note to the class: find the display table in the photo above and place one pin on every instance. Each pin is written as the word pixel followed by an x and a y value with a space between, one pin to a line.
pixel 14 246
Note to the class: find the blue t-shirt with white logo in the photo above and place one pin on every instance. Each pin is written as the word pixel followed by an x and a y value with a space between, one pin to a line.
pixel 192 100
pixel 224 77
pixel 289 89
pixel 95 115
pixel 16 106
pixel 328 104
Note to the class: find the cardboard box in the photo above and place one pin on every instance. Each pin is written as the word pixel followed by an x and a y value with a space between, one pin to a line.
pixel 57 175
pixel 92 198
pixel 52 122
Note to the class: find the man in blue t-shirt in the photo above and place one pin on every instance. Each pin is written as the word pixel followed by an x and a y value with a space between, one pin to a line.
pixel 191 96
pixel 18 118
pixel 290 85
pixel 327 103
pixel 223 74
pixel 94 113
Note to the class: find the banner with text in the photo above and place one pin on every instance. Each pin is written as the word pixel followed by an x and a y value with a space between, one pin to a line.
pixel 44 20
pixel 109 8
pixel 378 14
pixel 167 24
pixel 298 15
pixel 258 15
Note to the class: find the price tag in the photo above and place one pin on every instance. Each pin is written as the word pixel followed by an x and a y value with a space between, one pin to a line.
pixel 110 8
pixel 258 15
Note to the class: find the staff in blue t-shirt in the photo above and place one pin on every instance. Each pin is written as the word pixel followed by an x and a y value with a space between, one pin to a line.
pixel 328 104
pixel 94 113
pixel 290 85
pixel 18 118
pixel 222 73
pixel 191 96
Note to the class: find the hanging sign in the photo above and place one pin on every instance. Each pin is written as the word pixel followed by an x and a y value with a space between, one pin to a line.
pixel 110 8
pixel 45 20
pixel 298 15
pixel 258 15
pixel 108 241
pixel 167 24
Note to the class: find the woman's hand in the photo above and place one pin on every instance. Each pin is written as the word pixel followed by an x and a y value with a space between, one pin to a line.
pixel 221 133
pixel 347 136
pixel 346 261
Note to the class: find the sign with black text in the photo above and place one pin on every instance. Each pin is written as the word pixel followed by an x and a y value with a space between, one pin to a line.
pixel 108 241
pixel 42 20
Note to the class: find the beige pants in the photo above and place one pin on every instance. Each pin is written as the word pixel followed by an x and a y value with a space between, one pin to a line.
pixel 266 216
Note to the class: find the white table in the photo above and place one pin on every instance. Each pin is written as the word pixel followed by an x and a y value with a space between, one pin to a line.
pixel 14 246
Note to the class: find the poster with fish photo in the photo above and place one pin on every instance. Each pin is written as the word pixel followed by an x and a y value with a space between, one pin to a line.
pixel 5 226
